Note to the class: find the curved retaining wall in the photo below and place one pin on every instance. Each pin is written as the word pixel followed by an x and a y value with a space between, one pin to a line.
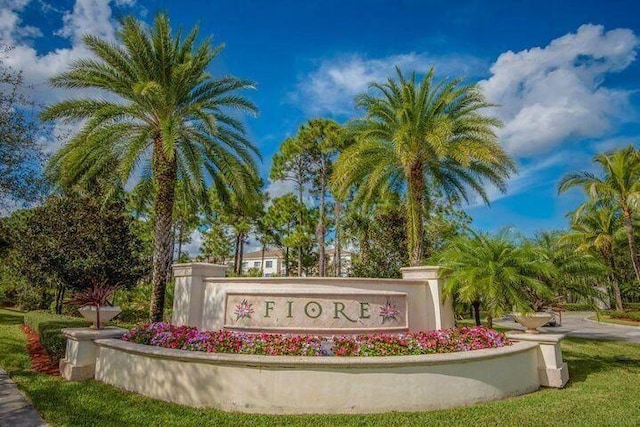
pixel 288 384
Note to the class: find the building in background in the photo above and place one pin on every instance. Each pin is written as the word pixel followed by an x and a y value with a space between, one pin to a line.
pixel 274 262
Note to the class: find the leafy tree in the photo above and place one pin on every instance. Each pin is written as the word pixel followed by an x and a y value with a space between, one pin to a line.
pixel 619 183
pixel 167 114
pixel 418 135
pixel 217 244
pixel 320 140
pixel 290 223
pixel 495 272
pixel 20 153
pixel 292 163
pixel 382 245
pixel 71 241
pixel 240 213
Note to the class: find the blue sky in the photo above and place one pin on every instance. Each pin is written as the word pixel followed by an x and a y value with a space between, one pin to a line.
pixel 564 72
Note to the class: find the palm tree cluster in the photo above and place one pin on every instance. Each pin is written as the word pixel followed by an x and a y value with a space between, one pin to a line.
pixel 610 211
pixel 421 147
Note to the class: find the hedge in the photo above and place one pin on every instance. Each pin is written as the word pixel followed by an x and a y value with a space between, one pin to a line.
pixel 624 315
pixel 49 327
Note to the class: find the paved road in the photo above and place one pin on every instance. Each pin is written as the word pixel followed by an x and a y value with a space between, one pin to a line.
pixel 15 410
pixel 575 325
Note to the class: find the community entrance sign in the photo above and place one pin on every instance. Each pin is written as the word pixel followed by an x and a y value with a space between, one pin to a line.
pixel 320 312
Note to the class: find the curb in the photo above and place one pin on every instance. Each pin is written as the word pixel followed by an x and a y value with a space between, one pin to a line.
pixel 615 325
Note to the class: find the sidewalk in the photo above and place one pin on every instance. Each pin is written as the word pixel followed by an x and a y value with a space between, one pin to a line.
pixel 15 410
pixel 576 324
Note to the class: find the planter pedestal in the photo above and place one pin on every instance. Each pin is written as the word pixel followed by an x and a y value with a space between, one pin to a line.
pixel 552 370
pixel 79 361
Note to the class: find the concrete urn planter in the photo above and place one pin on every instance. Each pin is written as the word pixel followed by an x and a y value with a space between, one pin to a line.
pixel 532 321
pixel 103 314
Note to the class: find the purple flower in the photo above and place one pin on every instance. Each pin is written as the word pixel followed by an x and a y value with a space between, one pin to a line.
pixel 388 311
pixel 244 310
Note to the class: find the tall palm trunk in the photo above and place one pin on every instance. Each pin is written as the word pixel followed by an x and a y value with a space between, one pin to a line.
pixel 628 225
pixel 476 312
pixel 415 208
pixel 164 180
pixel 264 248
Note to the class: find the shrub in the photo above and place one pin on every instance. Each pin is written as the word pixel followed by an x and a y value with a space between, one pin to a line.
pixel 224 341
pixel 133 316
pixel 49 327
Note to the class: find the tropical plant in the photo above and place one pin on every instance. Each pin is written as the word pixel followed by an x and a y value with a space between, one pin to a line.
pixel 96 296
pixel 619 184
pixel 579 272
pixel 595 227
pixel 166 116
pixel 420 135
pixel 495 272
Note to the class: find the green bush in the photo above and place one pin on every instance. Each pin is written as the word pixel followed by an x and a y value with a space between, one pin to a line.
pixel 132 316
pixel 625 315
pixel 49 327
pixel 633 306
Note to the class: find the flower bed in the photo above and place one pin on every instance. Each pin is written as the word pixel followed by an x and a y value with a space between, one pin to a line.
pixel 223 341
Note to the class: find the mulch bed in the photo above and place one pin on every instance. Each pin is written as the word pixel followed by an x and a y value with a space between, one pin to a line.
pixel 39 358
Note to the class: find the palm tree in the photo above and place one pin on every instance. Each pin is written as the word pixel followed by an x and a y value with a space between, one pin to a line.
pixel 578 270
pixel 620 184
pixel 595 227
pixel 495 272
pixel 163 115
pixel 421 134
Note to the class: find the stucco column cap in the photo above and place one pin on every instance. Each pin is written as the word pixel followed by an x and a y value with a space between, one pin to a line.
pixel 421 272
pixel 89 334
pixel 541 337
pixel 198 269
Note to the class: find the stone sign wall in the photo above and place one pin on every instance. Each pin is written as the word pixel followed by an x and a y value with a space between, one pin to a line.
pixel 321 313
pixel 204 298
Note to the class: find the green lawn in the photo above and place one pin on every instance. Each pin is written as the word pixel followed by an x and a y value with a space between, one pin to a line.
pixel 608 319
pixel 604 390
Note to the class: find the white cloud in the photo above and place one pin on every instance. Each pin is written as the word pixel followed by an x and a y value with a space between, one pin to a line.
pixel 87 16
pixel 556 92
pixel 193 247
pixel 332 87
pixel 546 94
pixel 279 188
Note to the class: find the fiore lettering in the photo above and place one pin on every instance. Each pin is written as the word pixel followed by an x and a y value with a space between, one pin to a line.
pixel 318 312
